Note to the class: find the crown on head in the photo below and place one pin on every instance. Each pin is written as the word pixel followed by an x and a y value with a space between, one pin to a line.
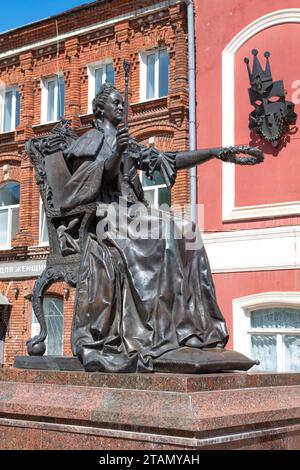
pixel 260 80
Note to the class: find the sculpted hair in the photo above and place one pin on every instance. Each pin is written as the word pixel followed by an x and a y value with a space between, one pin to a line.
pixel 100 99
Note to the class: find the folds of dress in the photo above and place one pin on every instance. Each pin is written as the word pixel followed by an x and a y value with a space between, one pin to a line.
pixel 137 298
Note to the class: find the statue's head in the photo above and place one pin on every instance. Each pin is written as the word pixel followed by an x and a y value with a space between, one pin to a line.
pixel 108 104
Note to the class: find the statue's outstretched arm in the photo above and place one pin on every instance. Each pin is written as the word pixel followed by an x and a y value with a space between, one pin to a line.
pixel 226 154
pixel 195 157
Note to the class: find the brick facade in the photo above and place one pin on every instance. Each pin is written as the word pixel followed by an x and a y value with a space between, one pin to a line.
pixel 87 34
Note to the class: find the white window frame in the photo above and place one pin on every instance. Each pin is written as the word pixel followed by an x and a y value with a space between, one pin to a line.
pixel 44 103
pixel 9 219
pixel 155 187
pixel 15 90
pixel 242 330
pixel 143 74
pixel 41 242
pixel 91 70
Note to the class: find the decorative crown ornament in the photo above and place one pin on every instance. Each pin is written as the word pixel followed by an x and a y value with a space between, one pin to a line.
pixel 260 80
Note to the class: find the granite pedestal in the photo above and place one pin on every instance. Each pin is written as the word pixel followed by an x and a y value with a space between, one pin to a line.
pixel 78 410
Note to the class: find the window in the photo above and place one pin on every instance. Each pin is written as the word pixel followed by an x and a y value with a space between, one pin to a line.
pixel 10 109
pixel 154 74
pixel 266 327
pixel 53 309
pixel 275 339
pixel 2 335
pixel 9 213
pixel 53 99
pixel 98 74
pixel 156 191
pixel 44 236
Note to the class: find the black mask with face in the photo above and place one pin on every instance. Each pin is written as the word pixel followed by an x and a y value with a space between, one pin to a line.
pixel 272 115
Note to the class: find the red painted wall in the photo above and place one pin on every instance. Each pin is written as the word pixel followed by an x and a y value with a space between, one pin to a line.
pixel 277 180
pixel 217 23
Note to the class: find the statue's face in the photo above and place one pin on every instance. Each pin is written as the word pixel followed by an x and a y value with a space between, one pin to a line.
pixel 114 108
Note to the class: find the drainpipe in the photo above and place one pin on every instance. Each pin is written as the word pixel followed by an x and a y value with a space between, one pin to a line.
pixel 192 104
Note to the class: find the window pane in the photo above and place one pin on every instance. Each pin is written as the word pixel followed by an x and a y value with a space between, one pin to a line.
pixel 292 353
pixel 99 79
pixel 8 111
pixel 264 349
pixel 18 108
pixel 164 196
pixel 158 179
pixel 61 99
pixel 150 93
pixel 9 194
pixel 3 227
pixel 150 195
pixel 14 222
pixel 44 228
pixel 53 309
pixel 110 74
pixel 276 318
pixel 164 62
pixel 51 98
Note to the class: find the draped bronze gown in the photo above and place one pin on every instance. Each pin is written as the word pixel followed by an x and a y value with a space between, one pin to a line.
pixel 137 299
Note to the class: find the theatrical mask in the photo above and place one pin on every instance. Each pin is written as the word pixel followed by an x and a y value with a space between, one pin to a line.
pixel 272 114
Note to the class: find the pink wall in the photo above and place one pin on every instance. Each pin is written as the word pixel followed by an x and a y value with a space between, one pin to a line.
pixel 217 23
pixel 277 180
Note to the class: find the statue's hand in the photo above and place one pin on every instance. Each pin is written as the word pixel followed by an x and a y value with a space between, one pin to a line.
pixel 232 155
pixel 122 140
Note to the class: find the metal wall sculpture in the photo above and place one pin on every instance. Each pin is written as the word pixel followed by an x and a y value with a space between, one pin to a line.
pixel 272 115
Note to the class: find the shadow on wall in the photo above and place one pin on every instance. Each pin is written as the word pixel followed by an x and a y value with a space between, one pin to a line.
pixel 266 147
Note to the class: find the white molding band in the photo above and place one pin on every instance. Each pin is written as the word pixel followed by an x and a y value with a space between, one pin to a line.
pixel 242 307
pixel 102 24
pixel 254 250
pixel 229 211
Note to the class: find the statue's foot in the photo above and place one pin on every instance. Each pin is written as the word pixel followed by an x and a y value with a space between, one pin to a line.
pixel 194 342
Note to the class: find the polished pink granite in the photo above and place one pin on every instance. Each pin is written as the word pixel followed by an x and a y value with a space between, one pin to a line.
pixel 77 410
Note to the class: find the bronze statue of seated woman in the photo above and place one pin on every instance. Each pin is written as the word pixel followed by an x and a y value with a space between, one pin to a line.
pixel 143 304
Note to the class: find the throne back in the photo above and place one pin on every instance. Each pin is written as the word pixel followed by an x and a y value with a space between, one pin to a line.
pixel 65 229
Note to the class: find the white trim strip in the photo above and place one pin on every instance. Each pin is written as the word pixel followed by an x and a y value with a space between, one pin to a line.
pixel 254 250
pixel 100 25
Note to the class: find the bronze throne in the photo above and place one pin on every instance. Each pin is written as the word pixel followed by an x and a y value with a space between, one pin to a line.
pixel 65 229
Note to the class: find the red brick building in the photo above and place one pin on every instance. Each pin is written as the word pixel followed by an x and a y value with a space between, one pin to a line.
pixel 52 68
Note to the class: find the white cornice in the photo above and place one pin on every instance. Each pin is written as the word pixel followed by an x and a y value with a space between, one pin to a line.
pixel 254 234
pixel 269 249
pixel 102 24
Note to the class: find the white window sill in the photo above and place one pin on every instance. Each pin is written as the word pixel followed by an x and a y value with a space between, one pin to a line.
pixel 45 123
pixel 149 100
pixel 7 132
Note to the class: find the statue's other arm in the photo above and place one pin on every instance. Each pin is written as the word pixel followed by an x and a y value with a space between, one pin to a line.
pixel 186 160
pixel 112 163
